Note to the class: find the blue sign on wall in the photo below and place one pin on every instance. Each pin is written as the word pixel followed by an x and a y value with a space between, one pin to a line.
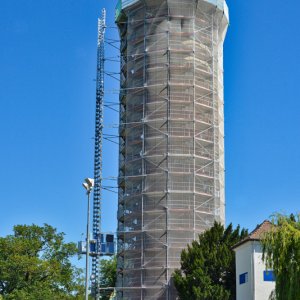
pixel 244 278
pixel 269 276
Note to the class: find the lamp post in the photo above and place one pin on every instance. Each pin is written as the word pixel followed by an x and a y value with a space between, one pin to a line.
pixel 88 184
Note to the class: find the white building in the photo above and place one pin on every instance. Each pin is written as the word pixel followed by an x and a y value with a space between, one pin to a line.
pixel 253 280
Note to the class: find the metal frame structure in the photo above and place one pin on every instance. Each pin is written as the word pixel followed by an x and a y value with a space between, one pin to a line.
pixel 171 161
pixel 95 277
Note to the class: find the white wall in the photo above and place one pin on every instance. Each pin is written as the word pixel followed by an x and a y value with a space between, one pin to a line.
pixel 243 257
pixel 263 288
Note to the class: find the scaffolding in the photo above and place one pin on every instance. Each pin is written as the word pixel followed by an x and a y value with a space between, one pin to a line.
pixel 171 161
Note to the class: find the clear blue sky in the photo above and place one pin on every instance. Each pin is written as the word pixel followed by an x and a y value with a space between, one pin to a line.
pixel 47 95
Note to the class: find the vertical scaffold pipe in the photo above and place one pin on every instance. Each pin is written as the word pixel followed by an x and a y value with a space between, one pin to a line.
pixel 95 278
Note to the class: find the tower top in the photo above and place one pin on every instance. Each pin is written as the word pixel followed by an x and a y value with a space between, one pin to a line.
pixel 220 4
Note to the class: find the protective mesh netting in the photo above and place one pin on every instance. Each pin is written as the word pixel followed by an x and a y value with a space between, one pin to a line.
pixel 171 168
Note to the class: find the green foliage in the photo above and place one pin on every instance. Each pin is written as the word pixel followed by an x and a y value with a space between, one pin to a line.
pixel 108 271
pixel 281 251
pixel 35 264
pixel 208 265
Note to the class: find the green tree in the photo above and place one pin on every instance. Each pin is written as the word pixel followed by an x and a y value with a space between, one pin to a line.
pixel 35 264
pixel 281 251
pixel 108 271
pixel 208 265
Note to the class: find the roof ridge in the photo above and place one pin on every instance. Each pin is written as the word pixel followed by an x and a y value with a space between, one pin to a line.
pixel 256 234
pixel 260 226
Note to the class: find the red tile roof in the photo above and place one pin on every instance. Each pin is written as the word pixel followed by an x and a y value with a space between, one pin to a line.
pixel 257 233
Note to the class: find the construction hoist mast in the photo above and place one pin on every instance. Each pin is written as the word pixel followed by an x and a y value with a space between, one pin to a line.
pixel 95 277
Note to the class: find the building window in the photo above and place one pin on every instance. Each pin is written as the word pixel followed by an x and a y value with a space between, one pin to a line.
pixel 244 278
pixel 269 276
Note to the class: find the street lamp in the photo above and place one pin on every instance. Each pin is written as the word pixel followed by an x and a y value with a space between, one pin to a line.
pixel 88 184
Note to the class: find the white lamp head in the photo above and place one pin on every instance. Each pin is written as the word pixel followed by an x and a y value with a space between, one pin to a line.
pixel 90 182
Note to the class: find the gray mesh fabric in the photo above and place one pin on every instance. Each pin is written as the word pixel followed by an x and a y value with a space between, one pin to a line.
pixel 171 168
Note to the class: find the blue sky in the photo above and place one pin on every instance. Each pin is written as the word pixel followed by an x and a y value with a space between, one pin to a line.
pixel 47 95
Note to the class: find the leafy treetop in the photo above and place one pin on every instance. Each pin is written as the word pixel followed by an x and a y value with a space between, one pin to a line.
pixel 35 264
pixel 208 265
pixel 281 251
pixel 108 271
